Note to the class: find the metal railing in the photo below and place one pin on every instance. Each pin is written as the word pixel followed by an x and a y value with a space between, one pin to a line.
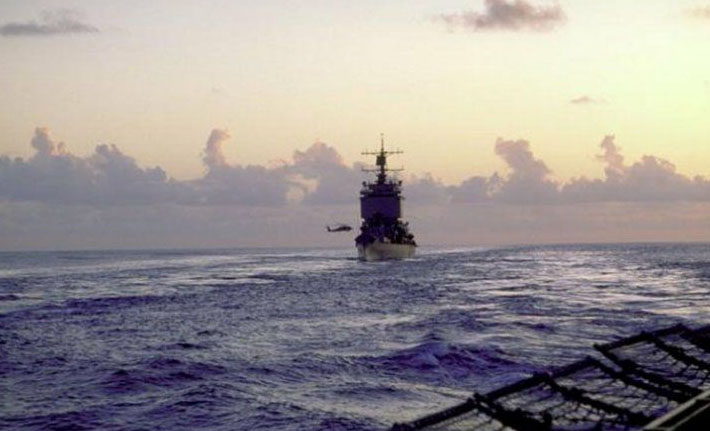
pixel 638 380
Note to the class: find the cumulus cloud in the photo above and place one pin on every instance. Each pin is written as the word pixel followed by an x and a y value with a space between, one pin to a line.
pixel 318 156
pixel 318 175
pixel 475 189
pixel 649 179
pixel 233 184
pixel 527 181
pixel 109 177
pixel 336 183
pixel 50 23
pixel 45 145
pixel 57 199
pixel 613 159
pixel 513 15
pixel 425 188
pixel 54 175
pixel 213 155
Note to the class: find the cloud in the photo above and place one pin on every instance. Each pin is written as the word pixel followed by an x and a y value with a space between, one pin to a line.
pixel 318 156
pixel 585 100
pixel 213 155
pixel 475 189
pixel 45 146
pixel 512 15
pixel 702 12
pixel 51 23
pixel 426 189
pixel 37 225
pixel 55 199
pixel 527 181
pixel 318 175
pixel 54 175
pixel 487 223
pixel 614 169
pixel 336 183
pixel 108 178
pixel 649 179
pixel 227 184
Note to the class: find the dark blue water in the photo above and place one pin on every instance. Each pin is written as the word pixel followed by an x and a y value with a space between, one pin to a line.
pixel 312 339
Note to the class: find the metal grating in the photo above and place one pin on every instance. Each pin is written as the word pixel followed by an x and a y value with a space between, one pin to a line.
pixel 639 379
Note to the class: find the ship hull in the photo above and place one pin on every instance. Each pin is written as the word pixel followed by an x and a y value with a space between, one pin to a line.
pixel 385 251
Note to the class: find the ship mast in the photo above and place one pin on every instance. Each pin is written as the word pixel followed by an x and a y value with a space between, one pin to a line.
pixel 381 161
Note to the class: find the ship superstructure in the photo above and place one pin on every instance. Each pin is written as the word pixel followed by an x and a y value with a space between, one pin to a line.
pixel 383 233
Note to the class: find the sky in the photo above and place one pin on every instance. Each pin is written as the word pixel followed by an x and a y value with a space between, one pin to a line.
pixel 219 123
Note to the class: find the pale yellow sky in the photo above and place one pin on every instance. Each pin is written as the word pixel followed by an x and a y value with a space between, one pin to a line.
pixel 156 78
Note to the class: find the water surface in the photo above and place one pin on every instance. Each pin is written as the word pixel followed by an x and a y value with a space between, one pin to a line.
pixel 313 339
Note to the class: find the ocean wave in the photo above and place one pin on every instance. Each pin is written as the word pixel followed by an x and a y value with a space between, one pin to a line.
pixel 79 420
pixel 269 341
pixel 162 372
pixel 445 359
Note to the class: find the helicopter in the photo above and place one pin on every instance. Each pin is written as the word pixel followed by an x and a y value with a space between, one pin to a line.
pixel 340 227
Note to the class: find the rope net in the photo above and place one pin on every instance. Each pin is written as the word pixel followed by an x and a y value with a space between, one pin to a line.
pixel 639 378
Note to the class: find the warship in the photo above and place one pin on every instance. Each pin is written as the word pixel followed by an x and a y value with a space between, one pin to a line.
pixel 383 234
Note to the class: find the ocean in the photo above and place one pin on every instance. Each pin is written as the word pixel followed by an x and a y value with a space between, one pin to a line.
pixel 312 339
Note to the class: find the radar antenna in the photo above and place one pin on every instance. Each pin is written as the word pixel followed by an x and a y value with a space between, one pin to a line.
pixel 381 161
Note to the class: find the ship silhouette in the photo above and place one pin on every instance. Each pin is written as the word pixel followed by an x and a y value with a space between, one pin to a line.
pixel 383 233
